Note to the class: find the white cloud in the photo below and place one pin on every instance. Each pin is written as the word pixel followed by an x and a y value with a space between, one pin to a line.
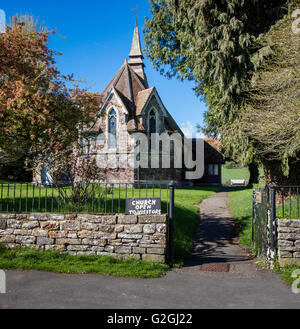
pixel 190 131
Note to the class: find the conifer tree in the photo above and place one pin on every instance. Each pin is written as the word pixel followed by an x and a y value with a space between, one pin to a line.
pixel 216 43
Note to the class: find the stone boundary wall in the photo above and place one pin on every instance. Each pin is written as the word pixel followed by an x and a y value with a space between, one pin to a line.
pixel 141 237
pixel 288 241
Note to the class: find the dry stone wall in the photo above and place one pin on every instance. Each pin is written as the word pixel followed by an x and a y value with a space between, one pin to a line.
pixel 141 237
pixel 288 241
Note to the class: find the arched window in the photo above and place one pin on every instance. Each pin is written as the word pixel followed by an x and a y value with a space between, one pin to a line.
pixel 152 128
pixel 152 122
pixel 112 129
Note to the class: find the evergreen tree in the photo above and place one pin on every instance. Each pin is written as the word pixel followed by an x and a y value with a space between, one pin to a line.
pixel 215 43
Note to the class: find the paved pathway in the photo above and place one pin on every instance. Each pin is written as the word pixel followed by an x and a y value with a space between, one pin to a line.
pixel 215 240
pixel 189 288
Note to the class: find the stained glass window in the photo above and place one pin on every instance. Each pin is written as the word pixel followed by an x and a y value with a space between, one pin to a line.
pixel 112 129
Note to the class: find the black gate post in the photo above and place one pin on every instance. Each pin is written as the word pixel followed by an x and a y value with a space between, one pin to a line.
pixel 171 224
pixel 273 213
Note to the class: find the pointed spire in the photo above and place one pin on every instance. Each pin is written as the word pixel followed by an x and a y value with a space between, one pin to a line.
pixel 136 56
pixel 136 50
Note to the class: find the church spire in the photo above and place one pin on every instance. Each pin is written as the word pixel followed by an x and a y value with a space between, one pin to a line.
pixel 136 51
pixel 136 56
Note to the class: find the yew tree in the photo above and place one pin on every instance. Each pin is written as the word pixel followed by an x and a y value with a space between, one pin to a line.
pixel 215 43
pixel 271 115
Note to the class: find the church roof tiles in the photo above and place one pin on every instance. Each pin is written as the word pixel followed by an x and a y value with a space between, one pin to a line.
pixel 130 84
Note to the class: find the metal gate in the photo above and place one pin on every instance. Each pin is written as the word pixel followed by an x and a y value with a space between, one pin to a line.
pixel 264 224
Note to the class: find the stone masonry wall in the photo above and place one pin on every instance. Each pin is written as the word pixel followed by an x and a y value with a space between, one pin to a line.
pixel 141 237
pixel 288 241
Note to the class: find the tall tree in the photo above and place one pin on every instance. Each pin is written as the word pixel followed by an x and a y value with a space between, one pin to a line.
pixel 271 115
pixel 214 42
pixel 38 112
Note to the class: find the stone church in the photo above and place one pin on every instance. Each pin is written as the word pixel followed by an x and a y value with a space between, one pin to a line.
pixel 132 107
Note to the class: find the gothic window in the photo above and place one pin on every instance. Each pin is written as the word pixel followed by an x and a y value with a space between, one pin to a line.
pixel 112 129
pixel 152 122
pixel 152 128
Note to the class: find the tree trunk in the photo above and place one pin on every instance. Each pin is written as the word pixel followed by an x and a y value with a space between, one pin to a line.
pixel 275 175
pixel 254 173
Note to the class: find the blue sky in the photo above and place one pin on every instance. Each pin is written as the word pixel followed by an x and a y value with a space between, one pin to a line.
pixel 98 37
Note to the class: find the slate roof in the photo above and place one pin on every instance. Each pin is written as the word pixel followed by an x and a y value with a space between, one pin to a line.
pixel 142 99
pixel 212 150
pixel 133 90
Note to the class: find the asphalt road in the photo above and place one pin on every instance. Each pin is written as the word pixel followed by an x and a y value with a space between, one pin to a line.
pixel 178 290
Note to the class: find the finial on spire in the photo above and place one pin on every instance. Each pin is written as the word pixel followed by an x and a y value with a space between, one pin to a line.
pixel 136 55
pixel 136 9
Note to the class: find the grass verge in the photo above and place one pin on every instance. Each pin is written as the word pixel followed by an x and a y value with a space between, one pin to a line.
pixel 53 261
pixel 286 272
pixel 240 205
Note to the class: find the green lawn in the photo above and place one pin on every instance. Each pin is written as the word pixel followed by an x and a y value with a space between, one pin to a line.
pixel 185 223
pixel 228 174
pixel 100 198
pixel 240 205
pixel 289 207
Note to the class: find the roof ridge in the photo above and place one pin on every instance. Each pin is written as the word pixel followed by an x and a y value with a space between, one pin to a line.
pixel 129 83
pixel 115 79
pixel 136 76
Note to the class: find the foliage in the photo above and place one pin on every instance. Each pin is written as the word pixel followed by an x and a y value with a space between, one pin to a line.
pixel 271 116
pixel 38 112
pixel 71 167
pixel 286 272
pixel 211 42
pixel 220 45
pixel 232 165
